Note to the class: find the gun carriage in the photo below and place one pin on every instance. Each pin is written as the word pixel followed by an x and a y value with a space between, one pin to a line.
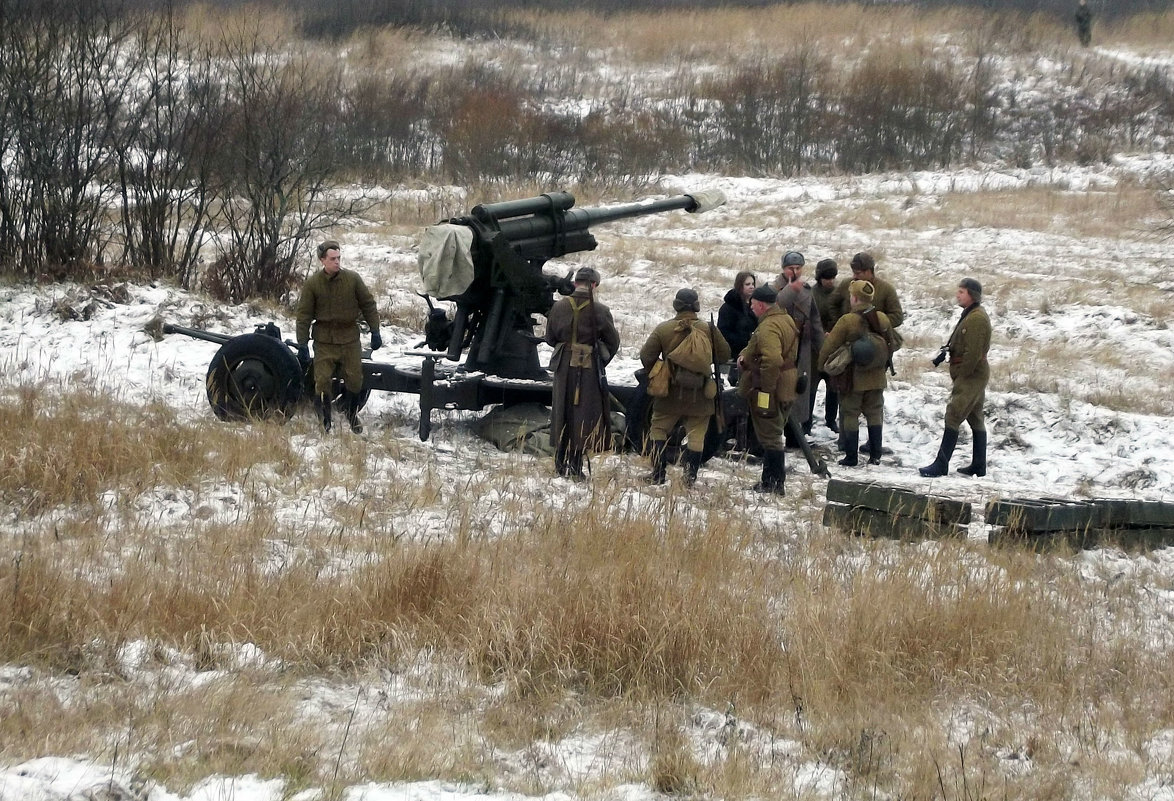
pixel 489 264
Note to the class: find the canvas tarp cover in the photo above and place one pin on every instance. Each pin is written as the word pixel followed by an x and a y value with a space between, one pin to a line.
pixel 446 259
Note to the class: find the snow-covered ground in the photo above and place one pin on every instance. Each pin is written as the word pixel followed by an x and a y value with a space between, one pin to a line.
pixel 1042 443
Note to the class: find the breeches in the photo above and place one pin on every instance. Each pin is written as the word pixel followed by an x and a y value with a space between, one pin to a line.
pixel 967 398
pixel 696 425
pixel 870 403
pixel 769 430
pixel 328 356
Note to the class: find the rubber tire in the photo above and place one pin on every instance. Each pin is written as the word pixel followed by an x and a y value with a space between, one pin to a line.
pixel 638 414
pixel 254 377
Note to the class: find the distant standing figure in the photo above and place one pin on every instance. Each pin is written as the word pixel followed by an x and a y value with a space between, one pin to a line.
pixel 687 401
pixel 823 292
pixel 797 300
pixel 329 308
pixel 967 350
pixel 768 382
pixel 734 318
pixel 1084 23
pixel 585 339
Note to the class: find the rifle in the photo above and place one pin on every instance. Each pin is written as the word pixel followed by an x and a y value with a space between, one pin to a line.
pixel 597 363
pixel 718 412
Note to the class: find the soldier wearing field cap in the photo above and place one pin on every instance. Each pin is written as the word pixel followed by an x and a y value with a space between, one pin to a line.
pixel 329 308
pixel 585 339
pixel 864 392
pixel 691 397
pixel 769 373
pixel 796 299
pixel 969 371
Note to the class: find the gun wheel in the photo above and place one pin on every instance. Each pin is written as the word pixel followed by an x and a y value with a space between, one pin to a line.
pixel 254 377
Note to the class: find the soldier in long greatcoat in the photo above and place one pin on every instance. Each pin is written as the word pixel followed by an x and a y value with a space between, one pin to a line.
pixel 585 339
pixel 969 371
pixel 796 299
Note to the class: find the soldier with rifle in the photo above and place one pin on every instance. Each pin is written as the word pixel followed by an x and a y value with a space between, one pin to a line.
pixel 585 339
pixel 692 393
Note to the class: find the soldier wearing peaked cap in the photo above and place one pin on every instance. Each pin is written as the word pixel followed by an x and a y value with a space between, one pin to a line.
pixel 585 339
pixel 691 395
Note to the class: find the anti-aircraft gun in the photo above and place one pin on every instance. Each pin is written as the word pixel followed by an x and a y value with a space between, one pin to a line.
pixel 490 265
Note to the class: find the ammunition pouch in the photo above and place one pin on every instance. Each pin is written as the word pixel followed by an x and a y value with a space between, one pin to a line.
pixel 581 356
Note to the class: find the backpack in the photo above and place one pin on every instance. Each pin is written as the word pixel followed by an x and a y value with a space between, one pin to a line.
pixel 886 342
pixel 692 358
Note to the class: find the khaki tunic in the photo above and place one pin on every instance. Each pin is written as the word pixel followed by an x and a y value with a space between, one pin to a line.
pixel 771 352
pixel 867 394
pixel 884 300
pixel 577 409
pixel 329 309
pixel 691 405
pixel 969 370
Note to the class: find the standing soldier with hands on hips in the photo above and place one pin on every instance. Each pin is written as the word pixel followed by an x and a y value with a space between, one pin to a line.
pixel 769 374
pixel 969 371
pixel 329 308
pixel 585 339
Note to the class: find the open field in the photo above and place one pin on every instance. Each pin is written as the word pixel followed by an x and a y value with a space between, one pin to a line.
pixel 192 609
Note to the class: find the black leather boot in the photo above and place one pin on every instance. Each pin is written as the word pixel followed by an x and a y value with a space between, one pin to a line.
pixel 977 466
pixel 352 410
pixel 831 408
pixel 941 465
pixel 692 465
pixel 874 443
pixel 851 448
pixel 656 456
pixel 324 410
pixel 774 472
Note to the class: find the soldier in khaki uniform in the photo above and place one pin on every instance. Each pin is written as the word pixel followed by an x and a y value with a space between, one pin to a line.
pixel 585 339
pixel 329 308
pixel 769 373
pixel 885 299
pixel 967 349
pixel 866 395
pixel 691 404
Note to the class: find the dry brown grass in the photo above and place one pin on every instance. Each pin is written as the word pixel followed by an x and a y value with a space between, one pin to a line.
pixel 622 621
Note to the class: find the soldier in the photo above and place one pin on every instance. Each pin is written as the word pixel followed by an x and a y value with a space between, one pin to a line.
pixel 967 349
pixel 866 392
pixel 796 298
pixel 332 300
pixel 1084 23
pixel 886 300
pixel 687 401
pixel 584 338
pixel 823 292
pixel 768 382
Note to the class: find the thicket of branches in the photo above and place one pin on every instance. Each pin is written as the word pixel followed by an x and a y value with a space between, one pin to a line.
pixel 233 146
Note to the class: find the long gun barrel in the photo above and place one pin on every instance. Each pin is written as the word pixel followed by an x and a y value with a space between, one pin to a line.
pixel 490 263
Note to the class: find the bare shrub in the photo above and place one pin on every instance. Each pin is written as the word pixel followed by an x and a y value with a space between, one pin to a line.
pixel 907 111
